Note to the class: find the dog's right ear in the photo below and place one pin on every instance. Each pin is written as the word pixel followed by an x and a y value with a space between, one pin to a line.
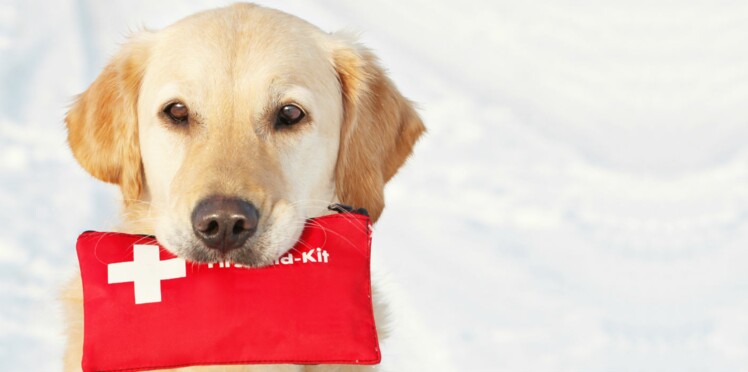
pixel 103 124
pixel 380 127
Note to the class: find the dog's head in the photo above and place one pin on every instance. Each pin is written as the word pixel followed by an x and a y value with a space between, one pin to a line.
pixel 228 129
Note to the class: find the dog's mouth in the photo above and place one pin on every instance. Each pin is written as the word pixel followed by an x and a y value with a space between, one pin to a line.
pixel 248 257
pixel 231 230
pixel 254 253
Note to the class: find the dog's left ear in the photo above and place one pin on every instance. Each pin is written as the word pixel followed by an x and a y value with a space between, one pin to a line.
pixel 102 123
pixel 379 129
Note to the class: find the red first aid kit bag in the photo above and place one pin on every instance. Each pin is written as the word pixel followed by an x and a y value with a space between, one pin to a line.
pixel 146 309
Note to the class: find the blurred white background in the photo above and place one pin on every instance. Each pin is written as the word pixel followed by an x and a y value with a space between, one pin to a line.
pixel 580 203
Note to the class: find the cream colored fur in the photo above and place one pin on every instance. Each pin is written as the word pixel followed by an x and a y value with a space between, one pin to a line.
pixel 234 67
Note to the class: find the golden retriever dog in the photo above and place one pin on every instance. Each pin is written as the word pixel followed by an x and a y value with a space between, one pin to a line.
pixel 228 129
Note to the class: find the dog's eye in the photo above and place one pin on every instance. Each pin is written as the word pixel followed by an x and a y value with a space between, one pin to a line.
pixel 289 115
pixel 177 112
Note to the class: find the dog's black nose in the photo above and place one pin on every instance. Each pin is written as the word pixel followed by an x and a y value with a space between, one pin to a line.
pixel 224 223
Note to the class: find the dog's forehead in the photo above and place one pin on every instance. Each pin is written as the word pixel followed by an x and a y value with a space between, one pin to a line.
pixel 242 62
pixel 238 41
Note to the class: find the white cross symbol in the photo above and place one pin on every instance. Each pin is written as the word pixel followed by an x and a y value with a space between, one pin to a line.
pixel 147 272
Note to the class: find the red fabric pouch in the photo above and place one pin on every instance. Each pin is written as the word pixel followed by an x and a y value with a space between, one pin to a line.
pixel 146 309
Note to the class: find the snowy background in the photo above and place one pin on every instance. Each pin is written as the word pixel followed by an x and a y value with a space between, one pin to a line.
pixel 580 203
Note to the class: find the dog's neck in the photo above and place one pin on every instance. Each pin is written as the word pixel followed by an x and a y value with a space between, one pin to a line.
pixel 137 219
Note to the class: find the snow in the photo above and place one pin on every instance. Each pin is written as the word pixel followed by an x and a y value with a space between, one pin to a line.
pixel 579 203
